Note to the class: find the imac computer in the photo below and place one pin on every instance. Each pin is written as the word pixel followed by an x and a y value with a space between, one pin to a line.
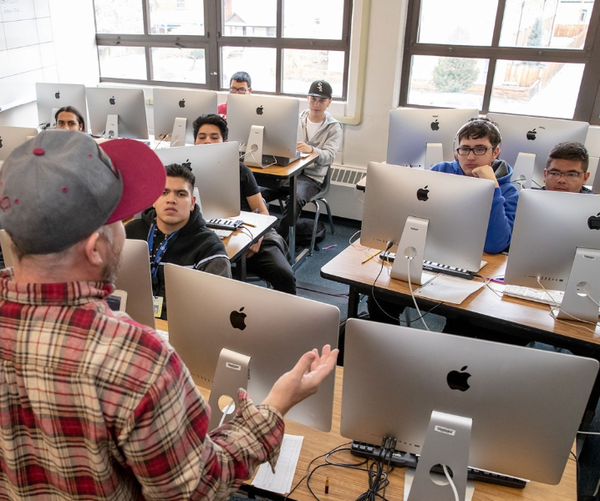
pixel 217 171
pixel 421 138
pixel 52 96
pixel 556 246
pixel 527 142
pixel 459 402
pixel 425 215
pixel 175 111
pixel 265 126
pixel 117 112
pixel 208 313
pixel 11 137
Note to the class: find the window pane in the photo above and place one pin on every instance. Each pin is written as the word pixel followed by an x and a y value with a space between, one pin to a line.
pixel 258 62
pixel 451 82
pixel 444 22
pixel 179 65
pixel 302 67
pixel 119 16
pixel 313 19
pixel 530 88
pixel 249 18
pixel 180 17
pixel 546 23
pixel 122 62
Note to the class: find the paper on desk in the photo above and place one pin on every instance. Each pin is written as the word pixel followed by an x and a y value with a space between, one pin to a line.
pixel 410 474
pixel 281 480
pixel 449 289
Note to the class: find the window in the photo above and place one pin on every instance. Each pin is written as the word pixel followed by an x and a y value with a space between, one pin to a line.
pixel 530 57
pixel 283 44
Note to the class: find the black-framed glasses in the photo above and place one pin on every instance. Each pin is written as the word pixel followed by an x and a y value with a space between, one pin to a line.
pixel 556 174
pixel 478 151
pixel 238 90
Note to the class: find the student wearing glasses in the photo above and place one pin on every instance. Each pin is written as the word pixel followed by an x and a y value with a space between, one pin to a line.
pixel 567 168
pixel 477 151
pixel 240 83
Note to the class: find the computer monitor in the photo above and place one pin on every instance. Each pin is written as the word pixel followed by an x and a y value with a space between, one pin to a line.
pixel 521 407
pixel 264 126
pixel 11 137
pixel 52 96
pixel 208 313
pixel 117 112
pixel 217 171
pixel 556 245
pixel 134 278
pixel 175 111
pixel 424 137
pixel 527 136
pixel 443 217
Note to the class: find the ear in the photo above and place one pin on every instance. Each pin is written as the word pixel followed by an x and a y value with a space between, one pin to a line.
pixel 586 175
pixel 92 250
pixel 496 152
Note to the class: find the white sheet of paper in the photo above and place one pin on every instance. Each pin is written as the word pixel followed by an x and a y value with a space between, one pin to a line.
pixel 410 474
pixel 449 289
pixel 281 480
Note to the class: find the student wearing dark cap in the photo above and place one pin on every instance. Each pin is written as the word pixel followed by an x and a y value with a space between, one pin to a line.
pixel 319 133
pixel 95 405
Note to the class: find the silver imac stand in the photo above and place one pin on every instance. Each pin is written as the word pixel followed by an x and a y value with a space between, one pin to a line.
pixel 412 249
pixel 582 293
pixel 434 155
pixel 178 134
pixel 446 443
pixel 254 146
pixel 523 170
pixel 231 374
pixel 111 130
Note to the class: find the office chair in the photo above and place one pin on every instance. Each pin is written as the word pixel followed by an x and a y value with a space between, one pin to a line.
pixel 320 197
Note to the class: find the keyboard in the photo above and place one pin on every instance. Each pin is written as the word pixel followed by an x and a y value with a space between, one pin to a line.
pixel 224 224
pixel 434 267
pixel 404 459
pixel 550 297
pixel 222 234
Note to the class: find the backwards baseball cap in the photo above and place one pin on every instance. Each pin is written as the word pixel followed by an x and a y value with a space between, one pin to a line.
pixel 61 186
pixel 320 88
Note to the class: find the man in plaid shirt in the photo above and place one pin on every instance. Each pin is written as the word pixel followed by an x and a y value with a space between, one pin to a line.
pixel 92 404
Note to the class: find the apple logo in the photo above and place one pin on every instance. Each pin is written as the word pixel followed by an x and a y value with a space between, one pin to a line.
pixel 531 135
pixel 187 164
pixel 423 194
pixel 435 125
pixel 593 222
pixel 458 380
pixel 182 103
pixel 0 142
pixel 237 319
pixel 112 100
pixel 259 110
pixel 57 94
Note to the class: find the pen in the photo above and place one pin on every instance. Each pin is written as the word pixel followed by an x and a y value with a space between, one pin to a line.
pixel 371 257
pixel 327 485
pixel 249 224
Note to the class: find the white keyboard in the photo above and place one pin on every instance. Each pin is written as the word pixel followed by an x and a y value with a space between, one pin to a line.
pixel 550 297
pixel 163 334
pixel 222 233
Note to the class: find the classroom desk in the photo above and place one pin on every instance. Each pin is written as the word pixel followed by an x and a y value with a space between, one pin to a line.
pixel 239 241
pixel 270 177
pixel 515 318
pixel 347 484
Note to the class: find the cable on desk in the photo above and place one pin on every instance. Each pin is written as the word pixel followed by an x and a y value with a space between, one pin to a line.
pixel 412 294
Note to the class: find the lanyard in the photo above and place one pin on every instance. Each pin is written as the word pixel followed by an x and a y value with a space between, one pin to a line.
pixel 161 250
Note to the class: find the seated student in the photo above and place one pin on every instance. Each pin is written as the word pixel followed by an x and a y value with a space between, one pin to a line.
pixel 69 118
pixel 177 233
pixel 267 257
pixel 477 154
pixel 321 134
pixel 240 83
pixel 567 168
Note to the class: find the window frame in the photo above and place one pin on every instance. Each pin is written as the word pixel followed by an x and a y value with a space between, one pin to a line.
pixel 588 98
pixel 212 42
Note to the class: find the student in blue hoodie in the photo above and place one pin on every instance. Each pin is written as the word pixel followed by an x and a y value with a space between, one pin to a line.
pixel 477 155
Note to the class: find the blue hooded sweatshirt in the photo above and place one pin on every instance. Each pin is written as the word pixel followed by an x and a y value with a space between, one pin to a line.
pixel 504 204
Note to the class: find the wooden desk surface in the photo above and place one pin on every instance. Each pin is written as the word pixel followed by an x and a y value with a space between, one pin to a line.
pixel 347 484
pixel 485 305
pixel 239 241
pixel 287 171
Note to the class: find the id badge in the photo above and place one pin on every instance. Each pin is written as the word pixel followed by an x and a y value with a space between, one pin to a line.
pixel 157 302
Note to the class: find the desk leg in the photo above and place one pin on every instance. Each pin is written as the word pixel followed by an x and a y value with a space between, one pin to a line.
pixel 294 214
pixel 353 300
